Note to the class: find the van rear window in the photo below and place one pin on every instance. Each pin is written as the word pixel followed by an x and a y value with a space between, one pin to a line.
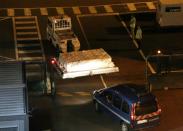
pixel 146 108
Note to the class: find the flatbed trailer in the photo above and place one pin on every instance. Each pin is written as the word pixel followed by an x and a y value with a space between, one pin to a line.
pixel 83 63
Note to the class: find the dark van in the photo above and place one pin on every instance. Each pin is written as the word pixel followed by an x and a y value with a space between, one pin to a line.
pixel 131 104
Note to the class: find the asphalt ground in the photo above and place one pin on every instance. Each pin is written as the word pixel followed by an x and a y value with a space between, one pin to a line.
pixel 154 37
pixel 70 111
pixel 77 113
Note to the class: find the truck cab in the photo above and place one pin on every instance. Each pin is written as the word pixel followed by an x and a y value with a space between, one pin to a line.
pixel 60 34
pixel 169 13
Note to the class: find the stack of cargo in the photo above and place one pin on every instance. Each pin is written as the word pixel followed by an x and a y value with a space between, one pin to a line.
pixel 86 62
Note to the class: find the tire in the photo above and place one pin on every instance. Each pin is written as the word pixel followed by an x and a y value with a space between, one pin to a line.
pixel 124 126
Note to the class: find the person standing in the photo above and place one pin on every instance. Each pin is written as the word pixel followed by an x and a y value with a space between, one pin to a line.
pixel 138 37
pixel 132 26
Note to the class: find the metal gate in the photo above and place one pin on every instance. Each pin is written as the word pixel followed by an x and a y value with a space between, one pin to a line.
pixel 168 70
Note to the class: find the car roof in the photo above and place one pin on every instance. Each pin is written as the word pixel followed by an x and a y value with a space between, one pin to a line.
pixel 132 92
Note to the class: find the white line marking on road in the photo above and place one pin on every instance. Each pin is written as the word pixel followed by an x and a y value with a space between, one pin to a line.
pixel 25 39
pixel 11 12
pixel 103 81
pixel 14 36
pixel 101 14
pixel 76 10
pixel 47 130
pixel 18 37
pixel 24 22
pixel 29 51
pixel 151 5
pixel 39 35
pixel 27 45
pixel 92 9
pixel 108 8
pixel 27 33
pixel 25 17
pixel 131 6
pixel 26 27
pixel 43 11
pixel 4 18
pixel 65 94
pixel 30 58
pixel 84 34
pixel 27 12
pixel 83 93
pixel 136 45
pixel 60 10
pixel 123 23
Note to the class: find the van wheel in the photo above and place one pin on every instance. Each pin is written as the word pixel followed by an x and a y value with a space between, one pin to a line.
pixel 97 107
pixel 124 126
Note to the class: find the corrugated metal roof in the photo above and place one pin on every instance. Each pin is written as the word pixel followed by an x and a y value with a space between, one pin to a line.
pixel 12 101
pixel 12 88
pixel 11 73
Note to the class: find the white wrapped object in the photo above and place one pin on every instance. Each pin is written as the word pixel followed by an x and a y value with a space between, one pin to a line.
pixel 87 62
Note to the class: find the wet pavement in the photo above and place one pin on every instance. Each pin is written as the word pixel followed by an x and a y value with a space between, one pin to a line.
pixel 74 112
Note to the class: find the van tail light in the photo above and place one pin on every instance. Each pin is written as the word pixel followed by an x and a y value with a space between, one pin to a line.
pixel 133 112
pixel 132 116
pixel 53 61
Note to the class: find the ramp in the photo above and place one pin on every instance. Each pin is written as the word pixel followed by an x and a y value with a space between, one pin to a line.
pixel 28 45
